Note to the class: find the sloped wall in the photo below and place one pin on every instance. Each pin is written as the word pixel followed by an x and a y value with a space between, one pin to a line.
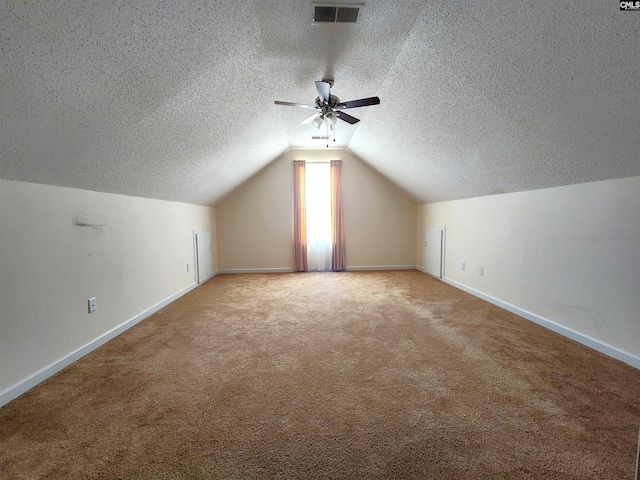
pixel 568 256
pixel 61 246
pixel 255 223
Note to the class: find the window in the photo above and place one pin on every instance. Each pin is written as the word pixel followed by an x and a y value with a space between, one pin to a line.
pixel 318 212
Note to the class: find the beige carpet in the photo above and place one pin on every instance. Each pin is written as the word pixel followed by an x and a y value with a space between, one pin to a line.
pixel 325 375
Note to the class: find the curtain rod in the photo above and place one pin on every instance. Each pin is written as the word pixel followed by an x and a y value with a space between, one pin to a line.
pixel 326 161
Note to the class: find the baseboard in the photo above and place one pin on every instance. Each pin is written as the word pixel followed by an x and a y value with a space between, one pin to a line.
pixel 379 267
pixel 291 270
pixel 424 270
pixel 209 277
pixel 638 459
pixel 256 270
pixel 22 386
pixel 602 347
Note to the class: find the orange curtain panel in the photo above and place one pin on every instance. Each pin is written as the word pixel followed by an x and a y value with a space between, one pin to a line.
pixel 299 218
pixel 337 217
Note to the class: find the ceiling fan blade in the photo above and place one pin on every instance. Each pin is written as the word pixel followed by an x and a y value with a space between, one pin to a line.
pixel 289 104
pixel 311 118
pixel 347 118
pixel 323 91
pixel 363 102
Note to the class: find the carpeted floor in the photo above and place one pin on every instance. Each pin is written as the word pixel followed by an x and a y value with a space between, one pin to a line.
pixel 325 375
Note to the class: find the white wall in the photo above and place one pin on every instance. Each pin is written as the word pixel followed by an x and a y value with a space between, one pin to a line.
pixel 255 223
pixel 570 255
pixel 61 246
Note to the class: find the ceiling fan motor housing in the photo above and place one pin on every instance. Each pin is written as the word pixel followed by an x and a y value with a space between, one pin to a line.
pixel 333 101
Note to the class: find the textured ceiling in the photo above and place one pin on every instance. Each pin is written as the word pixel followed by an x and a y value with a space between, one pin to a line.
pixel 174 100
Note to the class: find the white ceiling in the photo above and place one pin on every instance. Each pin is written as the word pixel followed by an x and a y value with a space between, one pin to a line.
pixel 174 100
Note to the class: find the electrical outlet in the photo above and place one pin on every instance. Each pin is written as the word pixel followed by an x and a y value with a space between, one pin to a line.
pixel 187 267
pixel 461 265
pixel 481 271
pixel 92 305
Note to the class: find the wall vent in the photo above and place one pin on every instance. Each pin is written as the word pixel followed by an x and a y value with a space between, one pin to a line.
pixel 334 13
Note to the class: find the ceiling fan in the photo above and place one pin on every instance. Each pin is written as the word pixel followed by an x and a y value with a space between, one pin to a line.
pixel 329 108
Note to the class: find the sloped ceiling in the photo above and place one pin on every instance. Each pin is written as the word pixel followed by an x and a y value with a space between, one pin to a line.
pixel 174 100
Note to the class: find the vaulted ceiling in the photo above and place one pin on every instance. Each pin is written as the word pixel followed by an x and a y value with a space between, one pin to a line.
pixel 174 100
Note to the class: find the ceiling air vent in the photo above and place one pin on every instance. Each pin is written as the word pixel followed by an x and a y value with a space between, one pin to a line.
pixel 334 13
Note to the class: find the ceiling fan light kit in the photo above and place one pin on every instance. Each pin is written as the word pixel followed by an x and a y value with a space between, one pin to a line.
pixel 330 118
